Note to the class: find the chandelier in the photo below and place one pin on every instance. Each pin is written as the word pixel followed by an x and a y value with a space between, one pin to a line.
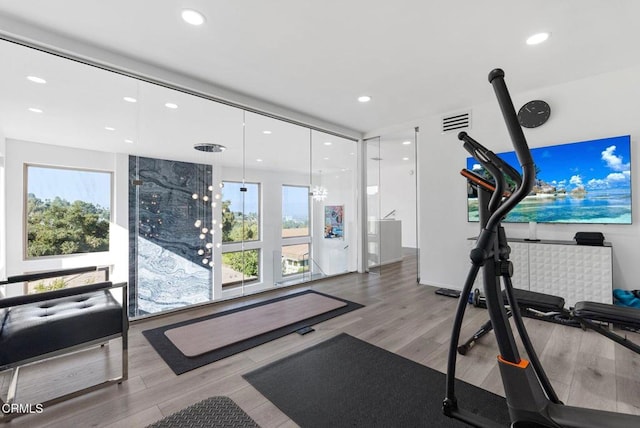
pixel 319 193
pixel 206 199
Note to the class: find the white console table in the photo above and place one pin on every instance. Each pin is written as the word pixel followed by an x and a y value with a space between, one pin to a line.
pixel 562 268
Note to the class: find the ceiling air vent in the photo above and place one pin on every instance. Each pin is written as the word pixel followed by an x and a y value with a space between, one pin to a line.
pixel 456 121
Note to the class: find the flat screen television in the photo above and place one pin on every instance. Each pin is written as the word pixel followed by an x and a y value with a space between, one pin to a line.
pixel 583 182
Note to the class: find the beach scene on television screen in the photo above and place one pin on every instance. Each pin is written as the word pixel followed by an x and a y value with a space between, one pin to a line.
pixel 584 182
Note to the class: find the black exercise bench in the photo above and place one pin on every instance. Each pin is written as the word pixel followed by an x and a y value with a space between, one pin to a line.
pixel 592 315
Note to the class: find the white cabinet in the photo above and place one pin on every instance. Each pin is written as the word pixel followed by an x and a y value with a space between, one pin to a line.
pixel 562 268
pixel 384 242
pixel 519 257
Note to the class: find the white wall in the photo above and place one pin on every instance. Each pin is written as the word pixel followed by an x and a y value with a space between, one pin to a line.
pixel 601 106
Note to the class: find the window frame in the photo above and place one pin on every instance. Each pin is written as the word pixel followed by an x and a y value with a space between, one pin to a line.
pixel 25 199
pixel 305 269
pixel 244 280
pixel 308 190
pixel 259 213
pixel 289 241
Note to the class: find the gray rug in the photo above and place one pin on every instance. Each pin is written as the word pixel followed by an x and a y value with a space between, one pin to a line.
pixel 212 412
pixel 346 382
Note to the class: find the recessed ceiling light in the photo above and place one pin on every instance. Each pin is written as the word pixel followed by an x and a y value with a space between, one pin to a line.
pixel 328 143
pixel 192 17
pixel 266 132
pixel 130 99
pixel 36 79
pixel 128 141
pixel 35 110
pixel 109 128
pixel 258 160
pixel 325 158
pixel 364 98
pixel 406 143
pixel 171 105
pixel 538 38
pixel 405 158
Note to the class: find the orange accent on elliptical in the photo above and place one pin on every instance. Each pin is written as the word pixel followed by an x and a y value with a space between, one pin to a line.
pixel 521 365
pixel 483 184
pixel 473 178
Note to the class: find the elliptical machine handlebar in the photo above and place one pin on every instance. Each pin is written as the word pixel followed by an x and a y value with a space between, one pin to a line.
pixel 480 152
pixel 519 142
pixel 496 78
pixel 476 150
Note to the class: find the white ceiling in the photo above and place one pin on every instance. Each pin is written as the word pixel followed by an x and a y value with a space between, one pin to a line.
pixel 415 58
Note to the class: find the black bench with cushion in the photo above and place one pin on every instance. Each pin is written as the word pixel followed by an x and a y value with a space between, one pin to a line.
pixel 592 315
pixel 40 326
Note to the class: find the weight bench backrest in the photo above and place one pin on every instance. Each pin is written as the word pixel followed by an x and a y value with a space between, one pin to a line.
pixel 619 315
pixel 538 301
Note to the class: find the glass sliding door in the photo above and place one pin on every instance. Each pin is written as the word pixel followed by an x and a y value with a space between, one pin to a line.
pixel 399 209
pixel 334 196
pixel 174 228
pixel 276 155
pixel 187 226
pixel 373 251
pixel 391 177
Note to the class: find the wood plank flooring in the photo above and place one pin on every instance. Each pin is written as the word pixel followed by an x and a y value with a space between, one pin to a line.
pixel 400 315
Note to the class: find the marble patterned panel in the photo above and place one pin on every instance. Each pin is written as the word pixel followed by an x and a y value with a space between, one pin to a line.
pixel 166 269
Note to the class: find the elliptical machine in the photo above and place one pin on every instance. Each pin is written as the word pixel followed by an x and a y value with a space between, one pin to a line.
pixel 531 399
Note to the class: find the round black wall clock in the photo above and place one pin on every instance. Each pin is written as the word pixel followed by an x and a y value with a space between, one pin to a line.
pixel 534 113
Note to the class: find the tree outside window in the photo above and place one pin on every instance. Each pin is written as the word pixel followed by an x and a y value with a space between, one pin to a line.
pixel 67 211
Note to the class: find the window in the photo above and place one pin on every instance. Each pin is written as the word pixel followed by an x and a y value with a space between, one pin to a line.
pixel 66 281
pixel 295 230
pixel 67 211
pixel 240 212
pixel 295 259
pixel 240 267
pixel 295 211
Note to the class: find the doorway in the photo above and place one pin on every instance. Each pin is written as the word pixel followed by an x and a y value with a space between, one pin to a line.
pixel 391 171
